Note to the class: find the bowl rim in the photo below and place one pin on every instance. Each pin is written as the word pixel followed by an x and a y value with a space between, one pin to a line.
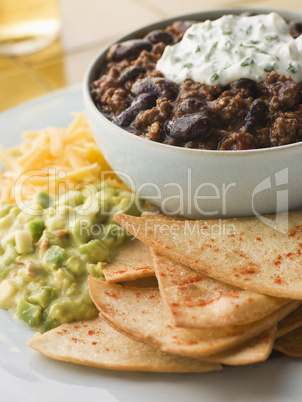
pixel 97 61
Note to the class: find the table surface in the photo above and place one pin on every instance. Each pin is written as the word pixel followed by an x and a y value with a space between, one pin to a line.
pixel 85 32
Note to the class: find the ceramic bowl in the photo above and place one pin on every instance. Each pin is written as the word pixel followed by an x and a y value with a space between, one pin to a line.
pixel 198 183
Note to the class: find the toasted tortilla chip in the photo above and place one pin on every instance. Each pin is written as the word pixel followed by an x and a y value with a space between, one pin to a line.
pixel 245 253
pixel 140 314
pixel 290 344
pixel 197 301
pixel 148 282
pixel 132 261
pixel 255 350
pixel 95 343
pixel 290 322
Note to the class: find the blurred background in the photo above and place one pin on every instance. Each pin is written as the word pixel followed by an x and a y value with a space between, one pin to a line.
pixel 67 34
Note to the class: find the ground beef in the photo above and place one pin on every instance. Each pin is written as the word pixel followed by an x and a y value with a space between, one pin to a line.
pixel 159 114
pixel 232 105
pixel 283 92
pixel 284 130
pixel 245 115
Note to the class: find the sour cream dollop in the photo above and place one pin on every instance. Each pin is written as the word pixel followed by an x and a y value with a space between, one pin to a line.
pixel 233 47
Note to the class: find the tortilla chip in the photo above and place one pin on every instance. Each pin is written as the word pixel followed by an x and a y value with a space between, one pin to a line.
pixel 132 261
pixel 290 344
pixel 148 282
pixel 140 314
pixel 197 301
pixel 245 253
pixel 95 343
pixel 289 323
pixel 255 350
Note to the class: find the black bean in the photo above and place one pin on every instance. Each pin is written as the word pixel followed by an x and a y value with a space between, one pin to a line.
pixel 245 83
pixel 255 115
pixel 141 102
pixel 295 28
pixel 161 87
pixel 128 49
pixel 130 73
pixel 263 91
pixel 183 25
pixel 188 128
pixel 159 35
pixel 190 105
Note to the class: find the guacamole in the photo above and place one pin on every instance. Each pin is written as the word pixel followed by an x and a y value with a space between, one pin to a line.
pixel 49 247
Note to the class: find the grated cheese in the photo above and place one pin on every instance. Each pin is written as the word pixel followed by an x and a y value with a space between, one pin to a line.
pixel 50 158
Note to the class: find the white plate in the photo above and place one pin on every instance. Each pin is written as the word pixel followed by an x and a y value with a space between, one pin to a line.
pixel 27 376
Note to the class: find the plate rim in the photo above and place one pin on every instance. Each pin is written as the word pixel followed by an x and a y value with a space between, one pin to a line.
pixel 76 89
pixel 48 96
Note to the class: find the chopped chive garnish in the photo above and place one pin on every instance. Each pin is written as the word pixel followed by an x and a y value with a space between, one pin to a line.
pixel 270 38
pixel 207 57
pixel 270 68
pixel 248 30
pixel 190 36
pixel 227 65
pixel 198 49
pixel 214 77
pixel 228 32
pixel 253 47
pixel 247 62
pixel 291 69
pixel 227 46
pixel 188 65
pixel 175 59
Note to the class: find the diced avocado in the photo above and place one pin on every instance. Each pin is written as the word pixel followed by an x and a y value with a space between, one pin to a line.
pixel 108 191
pixel 75 265
pixel 48 321
pixel 42 296
pixel 129 206
pixel 96 270
pixel 94 251
pixel 45 258
pixel 58 221
pixel 55 255
pixel 24 242
pixel 65 309
pixel 29 313
pixel 44 200
pixel 10 255
pixel 58 312
pixel 80 233
pixel 113 235
pixel 102 214
pixel 72 198
pixel 54 314
pixel 36 228
pixel 64 280
pixel 54 240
